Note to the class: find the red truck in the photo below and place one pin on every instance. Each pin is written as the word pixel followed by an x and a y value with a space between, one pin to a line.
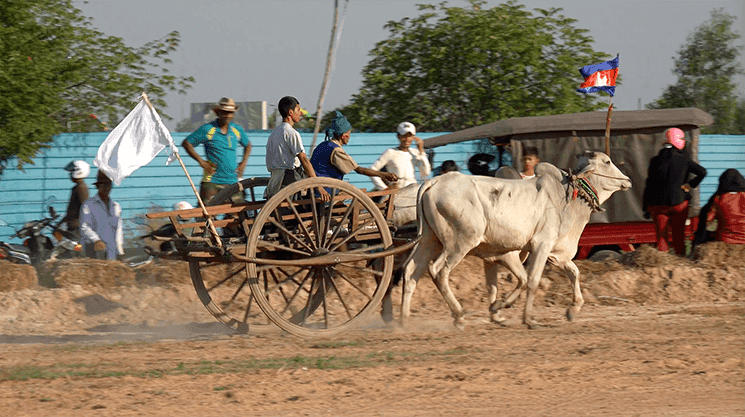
pixel 635 137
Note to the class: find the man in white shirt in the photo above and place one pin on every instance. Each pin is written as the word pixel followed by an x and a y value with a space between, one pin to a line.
pixel 101 222
pixel 286 159
pixel 401 160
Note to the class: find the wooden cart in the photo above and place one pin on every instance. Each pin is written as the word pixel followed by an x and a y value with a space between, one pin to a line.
pixel 299 262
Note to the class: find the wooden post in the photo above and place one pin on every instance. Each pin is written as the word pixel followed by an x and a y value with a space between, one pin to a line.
pixel 193 187
pixel 326 75
pixel 607 126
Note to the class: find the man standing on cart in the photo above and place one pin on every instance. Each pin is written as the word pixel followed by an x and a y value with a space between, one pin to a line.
pixel 286 159
pixel 220 138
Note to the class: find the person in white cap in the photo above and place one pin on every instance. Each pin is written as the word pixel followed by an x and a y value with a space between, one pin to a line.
pixel 79 171
pixel 402 160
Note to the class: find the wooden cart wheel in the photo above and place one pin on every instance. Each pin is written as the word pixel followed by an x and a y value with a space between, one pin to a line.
pixel 326 300
pixel 223 287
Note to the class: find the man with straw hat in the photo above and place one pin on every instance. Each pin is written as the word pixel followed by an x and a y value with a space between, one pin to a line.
pixel 220 138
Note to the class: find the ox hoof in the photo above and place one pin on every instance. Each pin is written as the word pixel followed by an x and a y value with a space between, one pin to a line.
pixel 387 318
pixel 497 305
pixel 496 318
pixel 459 323
pixel 572 313
pixel 533 325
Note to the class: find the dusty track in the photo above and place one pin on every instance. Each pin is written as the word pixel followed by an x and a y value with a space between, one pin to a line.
pixel 651 340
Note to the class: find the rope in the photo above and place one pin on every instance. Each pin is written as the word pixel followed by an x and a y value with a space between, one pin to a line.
pixel 582 188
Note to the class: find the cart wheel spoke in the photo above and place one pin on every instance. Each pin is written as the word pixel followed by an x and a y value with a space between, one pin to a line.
pixel 355 286
pixel 338 293
pixel 353 234
pixel 323 279
pixel 340 224
pixel 302 225
pixel 327 218
pixel 289 234
pixel 227 304
pixel 316 218
pixel 278 286
pixel 272 245
pixel 222 281
pixel 302 316
pixel 301 286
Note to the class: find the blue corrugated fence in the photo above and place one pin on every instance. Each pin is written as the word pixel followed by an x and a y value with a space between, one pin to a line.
pixel 156 187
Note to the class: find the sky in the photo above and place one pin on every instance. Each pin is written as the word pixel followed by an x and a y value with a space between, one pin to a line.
pixel 255 50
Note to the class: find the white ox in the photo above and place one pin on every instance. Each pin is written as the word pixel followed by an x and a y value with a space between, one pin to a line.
pixel 496 219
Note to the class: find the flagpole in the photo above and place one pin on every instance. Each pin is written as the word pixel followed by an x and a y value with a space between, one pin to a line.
pixel 193 187
pixel 607 126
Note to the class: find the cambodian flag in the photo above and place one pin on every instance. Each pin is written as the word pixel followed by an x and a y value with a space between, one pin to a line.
pixel 600 77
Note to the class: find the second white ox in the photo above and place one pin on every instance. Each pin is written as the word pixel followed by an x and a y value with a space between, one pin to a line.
pixel 496 219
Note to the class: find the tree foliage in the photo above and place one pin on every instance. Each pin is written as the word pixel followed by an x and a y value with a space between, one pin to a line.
pixel 456 67
pixel 58 73
pixel 706 67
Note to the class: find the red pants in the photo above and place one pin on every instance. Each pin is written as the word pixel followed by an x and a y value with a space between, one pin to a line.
pixel 670 217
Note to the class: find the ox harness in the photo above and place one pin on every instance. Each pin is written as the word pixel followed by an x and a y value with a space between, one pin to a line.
pixel 582 188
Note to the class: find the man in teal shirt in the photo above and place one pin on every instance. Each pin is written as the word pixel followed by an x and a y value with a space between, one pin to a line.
pixel 220 138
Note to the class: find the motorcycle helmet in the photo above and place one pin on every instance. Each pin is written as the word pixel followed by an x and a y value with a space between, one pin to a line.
pixel 78 169
pixel 479 163
pixel 183 205
pixel 675 137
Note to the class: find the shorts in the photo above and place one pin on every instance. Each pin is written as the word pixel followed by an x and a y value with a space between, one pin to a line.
pixel 207 190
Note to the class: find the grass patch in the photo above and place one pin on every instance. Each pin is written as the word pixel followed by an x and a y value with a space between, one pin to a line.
pixel 203 367
pixel 333 345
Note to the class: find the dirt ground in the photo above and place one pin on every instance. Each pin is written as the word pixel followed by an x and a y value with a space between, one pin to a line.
pixel 659 335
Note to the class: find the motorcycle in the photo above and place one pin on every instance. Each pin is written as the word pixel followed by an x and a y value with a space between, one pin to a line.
pixel 14 253
pixel 39 245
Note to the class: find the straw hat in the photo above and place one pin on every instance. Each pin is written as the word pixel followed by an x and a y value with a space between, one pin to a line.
pixel 226 104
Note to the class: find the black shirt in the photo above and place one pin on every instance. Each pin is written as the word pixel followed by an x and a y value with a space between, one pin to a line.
pixel 667 172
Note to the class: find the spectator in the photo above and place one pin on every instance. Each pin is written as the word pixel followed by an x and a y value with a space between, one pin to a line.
pixel 401 160
pixel 666 193
pixel 79 171
pixel 727 206
pixel 101 222
pixel 448 166
pixel 220 138
pixel 285 154
pixel 530 160
pixel 330 160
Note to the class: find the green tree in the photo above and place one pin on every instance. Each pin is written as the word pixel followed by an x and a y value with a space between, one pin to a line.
pixel 58 73
pixel 456 67
pixel 706 67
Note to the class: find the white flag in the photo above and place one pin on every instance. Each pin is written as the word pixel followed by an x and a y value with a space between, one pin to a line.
pixel 136 141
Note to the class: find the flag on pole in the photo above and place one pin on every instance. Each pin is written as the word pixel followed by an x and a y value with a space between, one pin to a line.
pixel 600 77
pixel 136 141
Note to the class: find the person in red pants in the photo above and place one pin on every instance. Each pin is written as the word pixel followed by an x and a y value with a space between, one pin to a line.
pixel 670 177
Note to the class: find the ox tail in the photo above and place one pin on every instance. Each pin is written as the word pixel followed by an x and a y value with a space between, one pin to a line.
pixel 399 273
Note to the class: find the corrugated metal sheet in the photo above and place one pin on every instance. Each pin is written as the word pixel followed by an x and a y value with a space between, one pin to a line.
pixel 718 153
pixel 155 187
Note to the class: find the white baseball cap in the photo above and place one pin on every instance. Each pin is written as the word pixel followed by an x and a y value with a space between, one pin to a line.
pixel 406 127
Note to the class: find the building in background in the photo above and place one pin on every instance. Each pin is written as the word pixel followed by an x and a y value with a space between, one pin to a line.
pixel 251 115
